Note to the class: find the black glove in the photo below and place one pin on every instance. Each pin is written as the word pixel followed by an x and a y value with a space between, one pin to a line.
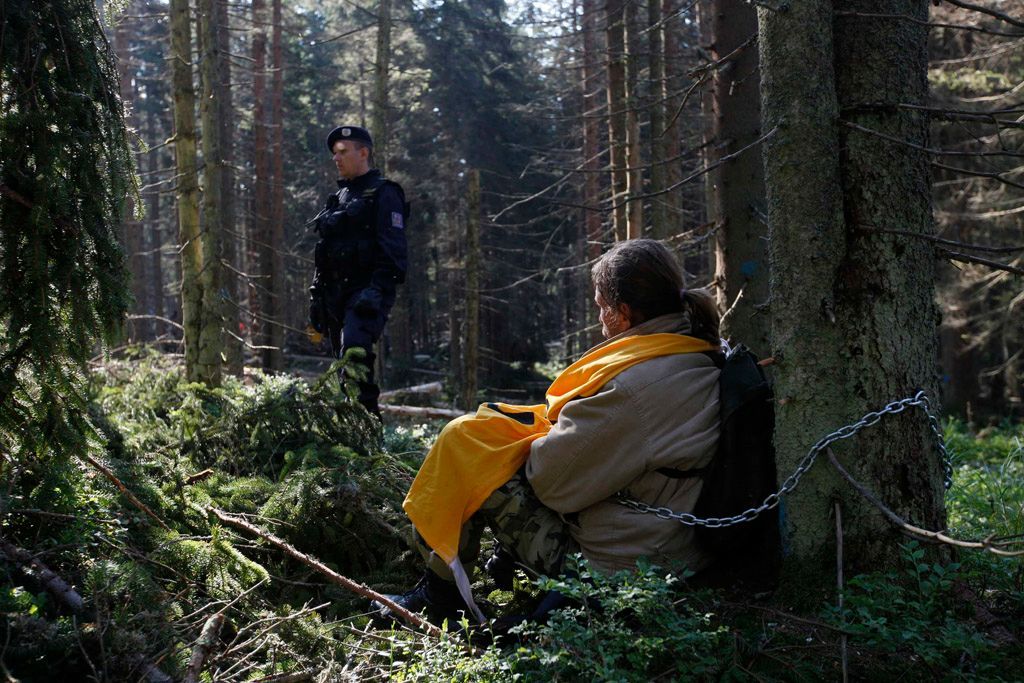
pixel 317 314
pixel 368 303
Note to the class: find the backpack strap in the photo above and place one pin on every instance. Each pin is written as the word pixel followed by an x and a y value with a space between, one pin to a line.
pixel 718 358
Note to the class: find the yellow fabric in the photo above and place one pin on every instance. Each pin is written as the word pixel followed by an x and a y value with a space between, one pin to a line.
pixel 475 454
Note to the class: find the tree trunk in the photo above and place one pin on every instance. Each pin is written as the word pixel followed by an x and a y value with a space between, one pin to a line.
pixel 659 149
pixel 616 31
pixel 211 334
pixel 473 265
pixel 737 187
pixel 228 215
pixel 634 157
pixel 132 237
pixel 592 234
pixel 261 304
pixel 672 200
pixel 853 323
pixel 453 262
pixel 381 126
pixel 886 291
pixel 187 194
pixel 278 274
pixel 156 230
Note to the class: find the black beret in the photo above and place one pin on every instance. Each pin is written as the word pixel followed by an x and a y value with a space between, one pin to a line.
pixel 349 133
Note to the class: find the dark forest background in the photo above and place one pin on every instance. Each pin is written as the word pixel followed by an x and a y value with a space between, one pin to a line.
pixel 520 92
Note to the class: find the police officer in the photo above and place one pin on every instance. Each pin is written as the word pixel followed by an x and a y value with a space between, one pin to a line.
pixel 361 256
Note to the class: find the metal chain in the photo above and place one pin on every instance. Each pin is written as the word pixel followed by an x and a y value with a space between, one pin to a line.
pixel 919 400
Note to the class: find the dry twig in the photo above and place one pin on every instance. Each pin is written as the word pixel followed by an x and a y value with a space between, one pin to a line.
pixel 994 545
pixel 124 490
pixel 313 563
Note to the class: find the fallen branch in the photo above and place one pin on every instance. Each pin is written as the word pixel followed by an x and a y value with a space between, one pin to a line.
pixel 57 586
pixel 994 546
pixel 313 563
pixel 429 388
pixel 124 490
pixel 417 411
pixel 198 477
pixel 207 639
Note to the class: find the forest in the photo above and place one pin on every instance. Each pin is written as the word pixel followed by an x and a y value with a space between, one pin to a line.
pixel 193 486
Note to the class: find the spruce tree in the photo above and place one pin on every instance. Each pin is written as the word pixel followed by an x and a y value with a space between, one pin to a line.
pixel 65 172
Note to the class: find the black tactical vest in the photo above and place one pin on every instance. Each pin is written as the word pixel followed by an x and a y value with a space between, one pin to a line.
pixel 348 235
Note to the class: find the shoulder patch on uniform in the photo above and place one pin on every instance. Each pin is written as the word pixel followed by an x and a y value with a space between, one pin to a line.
pixel 396 220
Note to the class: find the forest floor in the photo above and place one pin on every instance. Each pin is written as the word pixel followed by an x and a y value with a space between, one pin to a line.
pixel 165 589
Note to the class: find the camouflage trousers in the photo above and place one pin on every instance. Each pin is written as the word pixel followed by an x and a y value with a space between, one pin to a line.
pixel 534 535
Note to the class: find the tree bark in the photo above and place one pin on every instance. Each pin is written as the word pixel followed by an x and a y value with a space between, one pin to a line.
pixel 673 200
pixel 659 149
pixel 228 213
pixel 187 194
pixel 886 289
pixel 592 234
pixel 278 273
pixel 381 124
pixel 211 334
pixel 260 291
pixel 615 28
pixel 634 156
pixel 853 323
pixel 471 351
pixel 133 238
pixel 736 192
pixel 156 230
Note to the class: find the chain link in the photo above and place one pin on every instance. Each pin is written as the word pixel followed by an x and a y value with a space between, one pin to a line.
pixel 920 400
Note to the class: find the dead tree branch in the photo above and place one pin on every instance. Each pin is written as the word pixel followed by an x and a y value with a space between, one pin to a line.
pixel 1001 16
pixel 968 258
pixel 124 490
pixel 992 545
pixel 942 240
pixel 57 586
pixel 203 647
pixel 313 563
pixel 417 411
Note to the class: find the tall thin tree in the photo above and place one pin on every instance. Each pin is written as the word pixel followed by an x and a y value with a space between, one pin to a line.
pixel 187 194
pixel 615 28
pixel 278 274
pixel 736 189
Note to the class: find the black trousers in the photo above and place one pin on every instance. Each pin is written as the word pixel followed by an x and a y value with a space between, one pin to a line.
pixel 348 329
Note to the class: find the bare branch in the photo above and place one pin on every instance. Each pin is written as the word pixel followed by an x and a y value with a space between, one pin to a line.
pixel 124 490
pixel 940 240
pixel 313 563
pixel 985 10
pixel 968 258
pixel 995 546
pixel 929 150
pixel 930 24
pixel 991 175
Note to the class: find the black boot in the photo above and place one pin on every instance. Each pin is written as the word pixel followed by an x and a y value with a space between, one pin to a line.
pixel 501 567
pixel 432 595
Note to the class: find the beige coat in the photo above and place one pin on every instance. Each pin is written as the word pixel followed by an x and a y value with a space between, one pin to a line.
pixel 660 413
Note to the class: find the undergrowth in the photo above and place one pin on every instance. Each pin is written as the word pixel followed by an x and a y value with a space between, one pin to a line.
pixel 304 461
